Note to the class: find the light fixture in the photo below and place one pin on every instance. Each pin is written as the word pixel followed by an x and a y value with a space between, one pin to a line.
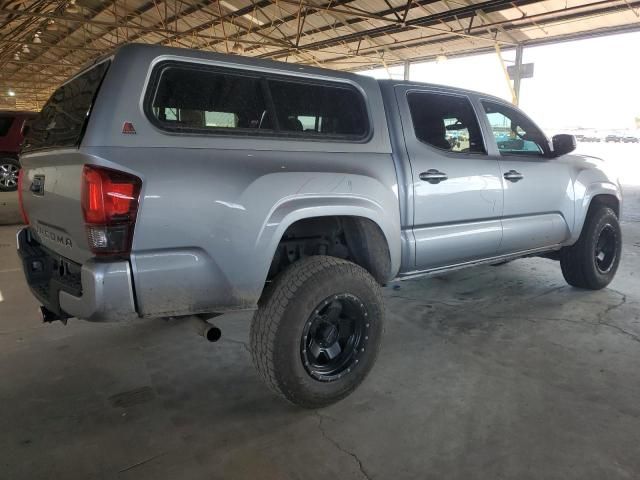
pixel 51 26
pixel 25 49
pixel 36 37
pixel 237 48
pixel 16 56
pixel 11 93
pixel 248 16
pixel 72 7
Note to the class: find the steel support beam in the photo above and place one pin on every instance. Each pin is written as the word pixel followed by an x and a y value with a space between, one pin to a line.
pixel 407 69
pixel 521 23
pixel 429 20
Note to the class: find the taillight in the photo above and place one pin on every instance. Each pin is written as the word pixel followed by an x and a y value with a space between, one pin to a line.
pixel 109 205
pixel 23 212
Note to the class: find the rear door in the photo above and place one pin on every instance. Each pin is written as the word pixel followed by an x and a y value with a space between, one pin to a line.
pixel 457 190
pixel 538 190
pixel 52 166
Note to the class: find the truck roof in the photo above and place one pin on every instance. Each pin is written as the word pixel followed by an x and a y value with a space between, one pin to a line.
pixel 439 86
pixel 152 51
pixel 149 52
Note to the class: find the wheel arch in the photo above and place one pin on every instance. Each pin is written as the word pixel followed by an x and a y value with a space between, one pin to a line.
pixel 606 200
pixel 597 194
pixel 373 236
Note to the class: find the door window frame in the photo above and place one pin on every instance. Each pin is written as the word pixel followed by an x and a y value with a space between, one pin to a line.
pixel 491 142
pixel 435 91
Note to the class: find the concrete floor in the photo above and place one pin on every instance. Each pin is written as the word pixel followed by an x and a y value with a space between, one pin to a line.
pixel 9 210
pixel 493 372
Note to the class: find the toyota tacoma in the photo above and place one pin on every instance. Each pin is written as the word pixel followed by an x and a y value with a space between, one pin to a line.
pixel 163 182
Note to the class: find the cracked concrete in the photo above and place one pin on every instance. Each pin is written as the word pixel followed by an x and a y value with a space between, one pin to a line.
pixel 340 447
pixel 622 330
pixel 493 372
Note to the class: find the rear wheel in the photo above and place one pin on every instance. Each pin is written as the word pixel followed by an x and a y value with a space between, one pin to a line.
pixel 317 330
pixel 593 260
pixel 9 168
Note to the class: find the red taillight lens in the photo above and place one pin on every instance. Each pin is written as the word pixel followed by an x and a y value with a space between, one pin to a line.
pixel 109 204
pixel 23 212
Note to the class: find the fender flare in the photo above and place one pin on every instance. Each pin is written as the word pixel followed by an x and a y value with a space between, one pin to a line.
pixel 583 204
pixel 299 207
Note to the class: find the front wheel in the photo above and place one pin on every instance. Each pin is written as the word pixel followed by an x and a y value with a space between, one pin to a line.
pixel 593 260
pixel 9 169
pixel 317 330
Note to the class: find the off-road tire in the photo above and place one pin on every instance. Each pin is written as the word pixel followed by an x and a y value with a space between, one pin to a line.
pixel 578 261
pixel 279 323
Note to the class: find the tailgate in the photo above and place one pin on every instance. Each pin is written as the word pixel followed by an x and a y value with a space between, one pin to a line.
pixel 51 198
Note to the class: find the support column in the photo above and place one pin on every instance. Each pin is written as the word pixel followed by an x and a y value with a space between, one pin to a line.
pixel 517 78
pixel 407 67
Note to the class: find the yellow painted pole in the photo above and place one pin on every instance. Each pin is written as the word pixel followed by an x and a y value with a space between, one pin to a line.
pixel 514 97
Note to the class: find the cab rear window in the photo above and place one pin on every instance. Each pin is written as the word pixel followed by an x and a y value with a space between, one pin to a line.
pixel 188 98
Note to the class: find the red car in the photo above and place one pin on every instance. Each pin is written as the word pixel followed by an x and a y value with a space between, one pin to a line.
pixel 11 124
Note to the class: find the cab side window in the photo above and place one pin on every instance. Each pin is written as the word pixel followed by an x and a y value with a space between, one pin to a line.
pixel 446 122
pixel 515 134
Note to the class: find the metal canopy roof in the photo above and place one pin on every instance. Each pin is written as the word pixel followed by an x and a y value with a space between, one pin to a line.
pixel 44 42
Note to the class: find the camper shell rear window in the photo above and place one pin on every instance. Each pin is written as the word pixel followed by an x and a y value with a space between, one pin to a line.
pixel 62 121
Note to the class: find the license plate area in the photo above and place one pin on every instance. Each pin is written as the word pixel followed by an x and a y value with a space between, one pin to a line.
pixel 48 273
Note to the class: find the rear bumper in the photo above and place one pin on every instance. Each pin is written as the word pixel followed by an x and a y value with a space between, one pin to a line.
pixel 95 291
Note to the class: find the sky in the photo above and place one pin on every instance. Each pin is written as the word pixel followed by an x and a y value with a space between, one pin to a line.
pixel 592 83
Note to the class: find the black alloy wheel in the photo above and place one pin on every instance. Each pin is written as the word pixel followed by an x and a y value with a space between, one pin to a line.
pixel 334 336
pixel 606 249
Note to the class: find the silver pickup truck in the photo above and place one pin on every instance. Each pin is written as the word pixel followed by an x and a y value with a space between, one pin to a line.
pixel 164 182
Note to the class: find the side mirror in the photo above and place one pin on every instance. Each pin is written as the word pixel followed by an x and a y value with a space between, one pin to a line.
pixel 563 144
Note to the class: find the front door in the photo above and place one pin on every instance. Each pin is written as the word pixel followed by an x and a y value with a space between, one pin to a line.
pixel 538 190
pixel 457 188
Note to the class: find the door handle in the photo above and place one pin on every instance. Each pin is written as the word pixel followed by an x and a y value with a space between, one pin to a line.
pixel 513 176
pixel 433 176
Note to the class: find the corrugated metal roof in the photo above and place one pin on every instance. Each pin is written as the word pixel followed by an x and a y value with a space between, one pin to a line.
pixel 44 42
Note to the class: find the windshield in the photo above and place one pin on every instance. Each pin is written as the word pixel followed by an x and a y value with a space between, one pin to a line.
pixel 62 120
